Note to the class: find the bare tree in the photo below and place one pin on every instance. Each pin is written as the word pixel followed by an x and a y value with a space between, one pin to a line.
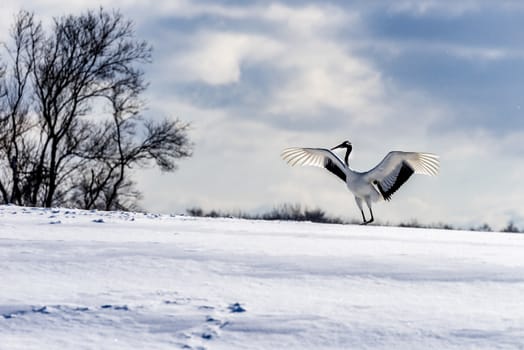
pixel 53 150
pixel 15 122
pixel 132 141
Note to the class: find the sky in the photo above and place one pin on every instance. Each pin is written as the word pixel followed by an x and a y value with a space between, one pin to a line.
pixel 255 77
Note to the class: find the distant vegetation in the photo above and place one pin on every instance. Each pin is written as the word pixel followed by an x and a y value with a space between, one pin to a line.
pixel 287 212
pixel 295 212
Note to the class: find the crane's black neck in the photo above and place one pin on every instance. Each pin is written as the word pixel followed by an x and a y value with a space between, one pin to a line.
pixel 346 157
pixel 347 145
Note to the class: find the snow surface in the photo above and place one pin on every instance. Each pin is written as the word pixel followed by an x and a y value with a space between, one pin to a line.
pixel 73 279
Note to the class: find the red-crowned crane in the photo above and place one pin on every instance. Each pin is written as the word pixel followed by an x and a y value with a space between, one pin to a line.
pixel 370 186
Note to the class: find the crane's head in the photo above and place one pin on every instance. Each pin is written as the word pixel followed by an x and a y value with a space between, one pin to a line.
pixel 345 144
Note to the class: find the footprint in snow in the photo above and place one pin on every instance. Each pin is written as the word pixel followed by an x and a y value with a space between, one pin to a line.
pixel 115 307
pixel 236 308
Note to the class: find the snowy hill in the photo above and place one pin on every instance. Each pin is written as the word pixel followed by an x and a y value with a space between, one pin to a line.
pixel 73 279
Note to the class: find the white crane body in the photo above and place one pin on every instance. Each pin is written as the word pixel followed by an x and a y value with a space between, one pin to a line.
pixel 379 183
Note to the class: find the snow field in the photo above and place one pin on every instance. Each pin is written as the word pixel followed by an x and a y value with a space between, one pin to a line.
pixel 114 280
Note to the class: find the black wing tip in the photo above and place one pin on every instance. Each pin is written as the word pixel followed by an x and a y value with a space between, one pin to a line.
pixel 385 195
pixel 404 174
pixel 330 166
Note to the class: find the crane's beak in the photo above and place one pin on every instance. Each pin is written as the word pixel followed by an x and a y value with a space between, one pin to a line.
pixel 343 144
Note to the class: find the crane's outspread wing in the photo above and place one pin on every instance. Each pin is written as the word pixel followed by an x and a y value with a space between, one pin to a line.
pixel 319 157
pixel 397 167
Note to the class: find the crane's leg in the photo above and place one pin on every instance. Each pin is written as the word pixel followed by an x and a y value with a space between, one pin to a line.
pixel 372 218
pixel 368 202
pixel 364 222
pixel 359 203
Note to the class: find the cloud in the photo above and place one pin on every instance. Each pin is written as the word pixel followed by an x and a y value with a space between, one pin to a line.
pixel 308 19
pixel 327 77
pixel 423 7
pixel 450 7
pixel 316 72
pixel 217 57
